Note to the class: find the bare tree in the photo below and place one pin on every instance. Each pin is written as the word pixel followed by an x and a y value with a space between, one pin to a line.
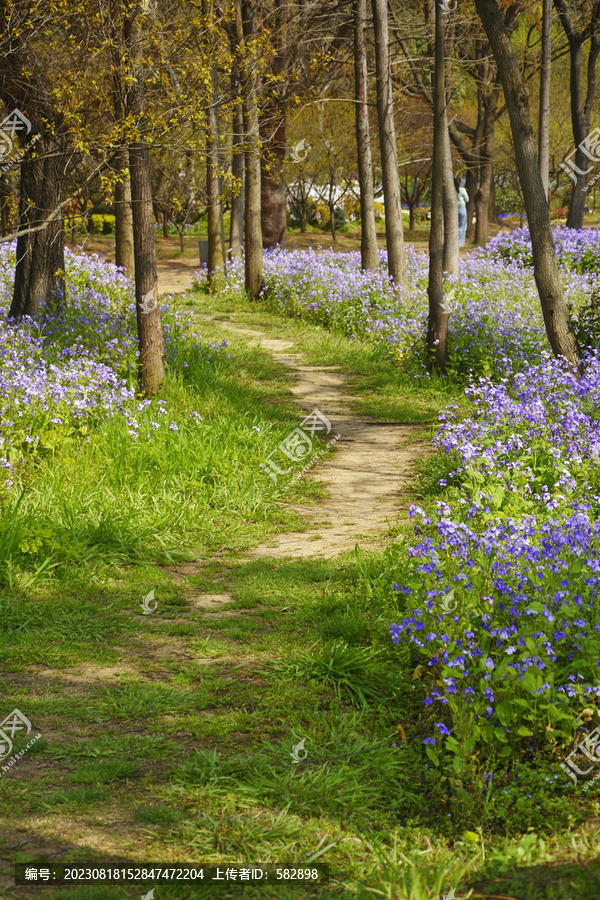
pixel 437 327
pixel 368 242
pixel 489 101
pixel 389 153
pixel 547 276
pixel 246 60
pixel 149 324
pixel 306 38
pixel 581 110
pixel 123 214
pixel 236 222
pixel 216 236
pixel 545 72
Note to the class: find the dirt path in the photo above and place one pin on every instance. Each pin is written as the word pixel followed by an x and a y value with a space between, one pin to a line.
pixel 175 276
pixel 366 478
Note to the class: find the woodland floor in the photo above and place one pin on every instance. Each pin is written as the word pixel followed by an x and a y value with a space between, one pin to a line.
pixel 170 740
pixel 364 488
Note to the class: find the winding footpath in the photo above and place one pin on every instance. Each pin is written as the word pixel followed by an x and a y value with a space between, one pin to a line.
pixel 366 478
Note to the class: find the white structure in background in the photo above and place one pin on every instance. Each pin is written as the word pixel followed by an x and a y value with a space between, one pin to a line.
pixel 321 195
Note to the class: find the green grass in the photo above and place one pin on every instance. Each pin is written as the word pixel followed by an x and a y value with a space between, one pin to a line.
pixel 170 736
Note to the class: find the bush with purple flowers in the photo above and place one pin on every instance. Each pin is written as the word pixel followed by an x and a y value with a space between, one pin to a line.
pixel 576 250
pixel 495 325
pixel 500 600
pixel 69 370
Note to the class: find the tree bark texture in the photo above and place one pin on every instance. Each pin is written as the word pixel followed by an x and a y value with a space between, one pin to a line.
pixel 149 325
pixel 273 190
pixel 124 256
pixel 368 242
pixel 486 161
pixel 253 248
pixel 581 111
pixel 450 206
pixel 40 256
pixel 39 271
pixel 389 153
pixel 151 367
pixel 216 239
pixel 273 135
pixel 236 224
pixel 547 277
pixel 437 326
pixel 544 115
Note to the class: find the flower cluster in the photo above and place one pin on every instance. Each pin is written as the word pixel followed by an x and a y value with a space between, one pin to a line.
pixel 537 434
pixel 576 250
pixel 73 368
pixel 501 598
pixel 495 325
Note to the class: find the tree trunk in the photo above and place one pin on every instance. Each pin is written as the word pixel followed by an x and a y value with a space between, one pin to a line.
pixel 450 207
pixel 482 198
pixel 331 205
pixel 304 213
pixel 123 215
pixel 581 112
pixel 437 326
pixel 149 325
pixel 236 225
pixel 389 153
pixel 39 272
pixel 492 209
pixel 471 189
pixel 273 190
pixel 216 243
pixel 24 88
pixel 580 131
pixel 253 249
pixel 368 232
pixel 545 70
pixel 274 144
pixel 547 276
pixel 5 207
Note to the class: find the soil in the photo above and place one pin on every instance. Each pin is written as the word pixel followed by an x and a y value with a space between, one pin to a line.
pixel 366 477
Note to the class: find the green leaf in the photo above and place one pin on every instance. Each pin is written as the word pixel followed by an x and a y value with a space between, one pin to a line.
pixel 433 755
pixel 499 733
pixel 536 607
pixel 470 743
pixel 504 711
pixel 458 764
pixel 532 679
pixel 498 496
pixel 524 732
